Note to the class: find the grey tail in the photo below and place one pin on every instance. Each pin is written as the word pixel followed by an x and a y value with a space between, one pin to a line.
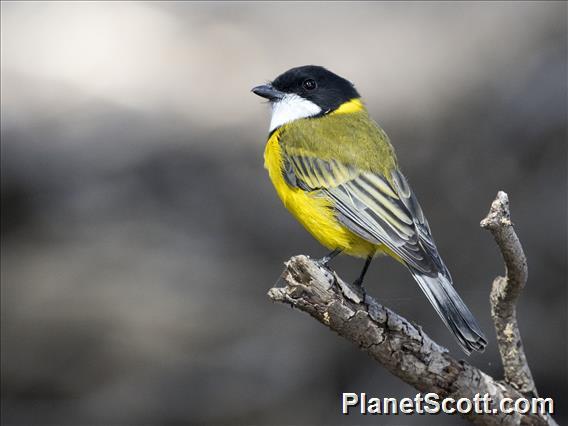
pixel 453 311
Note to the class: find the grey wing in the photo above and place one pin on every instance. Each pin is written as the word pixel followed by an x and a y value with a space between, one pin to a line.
pixel 384 213
pixel 372 207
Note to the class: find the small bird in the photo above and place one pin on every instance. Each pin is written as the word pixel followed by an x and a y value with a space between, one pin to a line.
pixel 336 171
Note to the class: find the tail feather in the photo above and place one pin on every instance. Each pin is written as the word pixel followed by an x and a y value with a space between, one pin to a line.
pixel 453 311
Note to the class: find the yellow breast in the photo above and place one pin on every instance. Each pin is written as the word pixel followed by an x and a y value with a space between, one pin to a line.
pixel 313 212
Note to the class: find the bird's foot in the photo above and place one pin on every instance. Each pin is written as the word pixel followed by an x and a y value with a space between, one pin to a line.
pixel 358 283
pixel 323 262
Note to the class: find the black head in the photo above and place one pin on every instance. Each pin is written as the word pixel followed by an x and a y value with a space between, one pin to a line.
pixel 314 83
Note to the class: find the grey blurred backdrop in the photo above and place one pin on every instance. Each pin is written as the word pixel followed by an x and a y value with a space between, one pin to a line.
pixel 140 232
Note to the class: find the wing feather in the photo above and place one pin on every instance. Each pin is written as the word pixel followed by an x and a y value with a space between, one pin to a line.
pixel 377 209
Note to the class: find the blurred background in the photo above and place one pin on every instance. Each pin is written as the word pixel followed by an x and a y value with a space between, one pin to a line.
pixel 140 232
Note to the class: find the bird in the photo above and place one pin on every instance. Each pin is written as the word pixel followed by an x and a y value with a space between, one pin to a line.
pixel 336 171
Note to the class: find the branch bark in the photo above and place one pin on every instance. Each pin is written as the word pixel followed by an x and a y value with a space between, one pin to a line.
pixel 401 347
pixel 505 292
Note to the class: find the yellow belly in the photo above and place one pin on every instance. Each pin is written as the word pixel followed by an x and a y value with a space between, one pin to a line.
pixel 313 212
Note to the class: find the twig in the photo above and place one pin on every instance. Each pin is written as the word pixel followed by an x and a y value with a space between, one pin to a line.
pixel 504 294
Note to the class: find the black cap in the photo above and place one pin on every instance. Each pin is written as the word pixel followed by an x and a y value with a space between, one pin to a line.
pixel 316 84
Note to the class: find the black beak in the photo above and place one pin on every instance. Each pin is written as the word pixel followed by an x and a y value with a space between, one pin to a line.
pixel 268 92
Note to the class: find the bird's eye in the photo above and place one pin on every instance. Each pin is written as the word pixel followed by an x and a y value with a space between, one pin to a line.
pixel 309 84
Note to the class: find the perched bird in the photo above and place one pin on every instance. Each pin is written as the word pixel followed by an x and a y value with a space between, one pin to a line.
pixel 336 171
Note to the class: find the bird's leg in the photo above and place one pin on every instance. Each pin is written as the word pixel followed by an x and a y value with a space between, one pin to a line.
pixel 326 259
pixel 359 281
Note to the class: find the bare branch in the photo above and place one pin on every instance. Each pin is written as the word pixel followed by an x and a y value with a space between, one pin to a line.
pixel 504 294
pixel 402 347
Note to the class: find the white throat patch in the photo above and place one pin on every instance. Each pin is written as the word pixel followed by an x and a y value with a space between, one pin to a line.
pixel 291 107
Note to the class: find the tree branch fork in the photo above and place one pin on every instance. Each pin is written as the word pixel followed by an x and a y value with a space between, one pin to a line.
pixel 403 348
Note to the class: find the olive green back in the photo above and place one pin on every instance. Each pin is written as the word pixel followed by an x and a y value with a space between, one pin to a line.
pixel 352 138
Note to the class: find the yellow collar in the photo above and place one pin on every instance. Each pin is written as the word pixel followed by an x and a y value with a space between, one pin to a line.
pixel 351 106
